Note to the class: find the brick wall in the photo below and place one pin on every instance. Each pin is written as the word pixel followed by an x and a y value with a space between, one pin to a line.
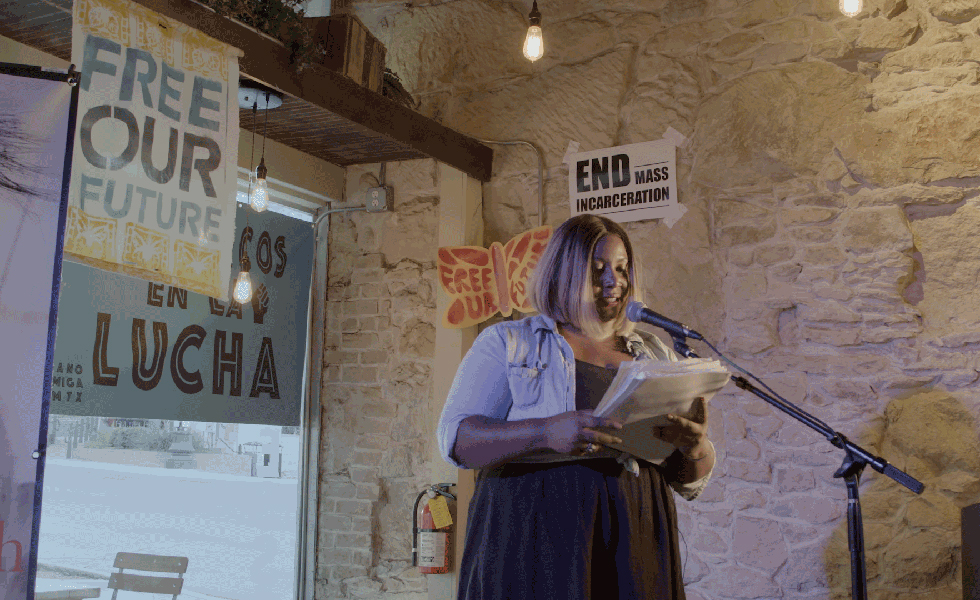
pixel 379 344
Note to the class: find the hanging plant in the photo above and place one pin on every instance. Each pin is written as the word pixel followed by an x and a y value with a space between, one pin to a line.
pixel 283 20
pixel 392 88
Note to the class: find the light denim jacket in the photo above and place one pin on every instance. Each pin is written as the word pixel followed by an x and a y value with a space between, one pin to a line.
pixel 526 370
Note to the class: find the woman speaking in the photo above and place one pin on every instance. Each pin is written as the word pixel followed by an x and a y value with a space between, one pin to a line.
pixel 556 514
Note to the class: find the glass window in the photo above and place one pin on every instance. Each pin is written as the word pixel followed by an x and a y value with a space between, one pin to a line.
pixel 140 460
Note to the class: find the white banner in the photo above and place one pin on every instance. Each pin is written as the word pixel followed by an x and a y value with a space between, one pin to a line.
pixel 625 183
pixel 154 167
pixel 34 118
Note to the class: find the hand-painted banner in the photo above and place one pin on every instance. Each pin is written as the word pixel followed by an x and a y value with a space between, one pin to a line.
pixel 482 282
pixel 625 183
pixel 130 348
pixel 153 179
pixel 34 138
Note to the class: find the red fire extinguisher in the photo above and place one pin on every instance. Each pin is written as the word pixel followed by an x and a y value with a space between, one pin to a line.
pixel 431 546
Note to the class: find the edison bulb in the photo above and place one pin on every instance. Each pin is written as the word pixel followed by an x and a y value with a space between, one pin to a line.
pixel 260 195
pixel 243 288
pixel 851 8
pixel 202 240
pixel 534 43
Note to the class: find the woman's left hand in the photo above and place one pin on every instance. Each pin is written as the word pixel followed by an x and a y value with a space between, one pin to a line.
pixel 689 435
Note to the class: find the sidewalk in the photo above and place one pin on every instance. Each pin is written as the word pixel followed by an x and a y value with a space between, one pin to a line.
pixel 163 472
pixel 187 593
pixel 238 532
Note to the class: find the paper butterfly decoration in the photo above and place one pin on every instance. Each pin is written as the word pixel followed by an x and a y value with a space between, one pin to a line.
pixel 484 281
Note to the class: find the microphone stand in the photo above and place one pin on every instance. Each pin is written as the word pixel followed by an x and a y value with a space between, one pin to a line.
pixel 856 459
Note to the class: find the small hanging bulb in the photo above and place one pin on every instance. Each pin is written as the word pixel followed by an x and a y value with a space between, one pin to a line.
pixel 202 240
pixel 243 287
pixel 534 43
pixel 851 8
pixel 260 194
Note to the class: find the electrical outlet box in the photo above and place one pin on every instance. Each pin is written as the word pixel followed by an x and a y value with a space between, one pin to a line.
pixel 379 199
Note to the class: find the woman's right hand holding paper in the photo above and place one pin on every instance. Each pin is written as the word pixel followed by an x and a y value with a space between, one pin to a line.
pixel 571 432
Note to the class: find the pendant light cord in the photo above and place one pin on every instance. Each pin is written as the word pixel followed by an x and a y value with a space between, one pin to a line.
pixel 251 158
pixel 265 129
pixel 251 162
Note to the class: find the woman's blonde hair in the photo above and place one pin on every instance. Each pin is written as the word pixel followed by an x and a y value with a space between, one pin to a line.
pixel 561 285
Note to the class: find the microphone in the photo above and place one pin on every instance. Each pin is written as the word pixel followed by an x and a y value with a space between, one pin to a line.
pixel 638 313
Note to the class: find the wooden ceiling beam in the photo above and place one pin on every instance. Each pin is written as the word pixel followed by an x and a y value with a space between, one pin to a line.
pixel 268 61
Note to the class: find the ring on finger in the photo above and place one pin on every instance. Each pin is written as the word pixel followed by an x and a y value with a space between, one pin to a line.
pixel 590 448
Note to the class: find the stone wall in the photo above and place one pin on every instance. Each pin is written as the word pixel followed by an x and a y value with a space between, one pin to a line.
pixel 830 178
pixel 379 346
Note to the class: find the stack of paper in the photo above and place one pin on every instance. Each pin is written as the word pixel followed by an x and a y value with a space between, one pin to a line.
pixel 644 392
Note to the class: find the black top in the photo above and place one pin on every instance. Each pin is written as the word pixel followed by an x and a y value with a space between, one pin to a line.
pixel 591 383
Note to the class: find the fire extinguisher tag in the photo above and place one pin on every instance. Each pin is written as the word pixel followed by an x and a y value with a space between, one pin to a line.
pixel 432 549
pixel 440 512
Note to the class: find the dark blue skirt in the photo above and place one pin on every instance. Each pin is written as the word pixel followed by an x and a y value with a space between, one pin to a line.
pixel 580 530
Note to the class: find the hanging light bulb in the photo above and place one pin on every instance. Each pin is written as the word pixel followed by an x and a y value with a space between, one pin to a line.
pixel 242 292
pixel 243 287
pixel 534 43
pixel 260 193
pixel 851 8
pixel 202 240
pixel 259 198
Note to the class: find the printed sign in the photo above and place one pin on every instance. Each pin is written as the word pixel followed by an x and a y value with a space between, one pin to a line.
pixel 34 138
pixel 625 183
pixel 144 349
pixel 482 282
pixel 153 180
